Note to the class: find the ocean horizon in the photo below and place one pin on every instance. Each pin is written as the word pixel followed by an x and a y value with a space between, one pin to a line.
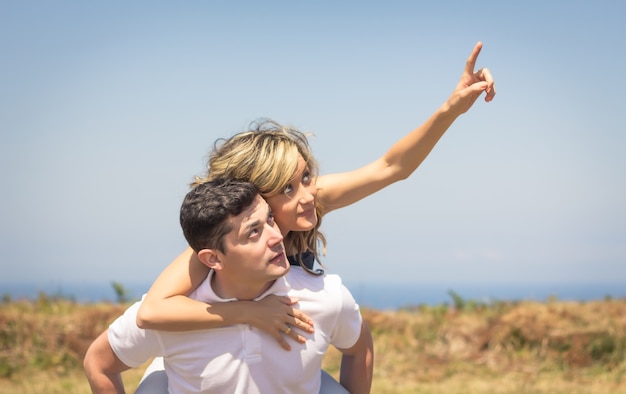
pixel 383 296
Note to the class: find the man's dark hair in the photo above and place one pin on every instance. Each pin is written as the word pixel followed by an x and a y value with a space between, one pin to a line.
pixel 207 207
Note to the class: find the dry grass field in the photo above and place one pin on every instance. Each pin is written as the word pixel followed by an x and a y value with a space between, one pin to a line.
pixel 504 347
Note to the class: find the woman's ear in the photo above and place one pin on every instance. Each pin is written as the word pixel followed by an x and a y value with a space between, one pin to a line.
pixel 210 258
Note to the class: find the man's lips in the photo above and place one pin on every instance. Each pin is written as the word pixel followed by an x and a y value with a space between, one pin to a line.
pixel 279 257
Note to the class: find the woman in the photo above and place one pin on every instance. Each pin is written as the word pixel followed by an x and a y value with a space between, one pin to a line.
pixel 279 161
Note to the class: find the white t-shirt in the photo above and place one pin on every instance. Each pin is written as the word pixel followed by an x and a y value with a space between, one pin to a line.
pixel 241 358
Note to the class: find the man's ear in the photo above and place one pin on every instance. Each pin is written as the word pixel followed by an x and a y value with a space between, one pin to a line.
pixel 210 258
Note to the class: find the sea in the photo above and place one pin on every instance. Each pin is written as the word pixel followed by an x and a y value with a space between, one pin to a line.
pixel 379 296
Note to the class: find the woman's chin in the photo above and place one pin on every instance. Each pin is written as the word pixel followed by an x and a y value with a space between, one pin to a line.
pixel 306 225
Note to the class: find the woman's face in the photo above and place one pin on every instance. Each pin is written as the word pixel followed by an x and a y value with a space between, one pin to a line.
pixel 294 208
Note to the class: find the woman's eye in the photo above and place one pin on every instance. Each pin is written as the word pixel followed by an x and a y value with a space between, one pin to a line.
pixel 288 189
pixel 306 178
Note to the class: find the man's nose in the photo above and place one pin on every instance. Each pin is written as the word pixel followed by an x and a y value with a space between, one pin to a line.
pixel 275 236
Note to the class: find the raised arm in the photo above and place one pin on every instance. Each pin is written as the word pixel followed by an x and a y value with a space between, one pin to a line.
pixel 403 158
pixel 167 307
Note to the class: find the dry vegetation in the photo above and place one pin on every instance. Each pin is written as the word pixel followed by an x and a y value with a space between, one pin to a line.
pixel 524 347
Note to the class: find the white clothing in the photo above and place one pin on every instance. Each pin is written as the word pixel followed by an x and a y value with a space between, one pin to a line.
pixel 241 358
pixel 154 381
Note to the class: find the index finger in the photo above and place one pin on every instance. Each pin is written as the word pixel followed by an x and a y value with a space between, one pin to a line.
pixel 471 60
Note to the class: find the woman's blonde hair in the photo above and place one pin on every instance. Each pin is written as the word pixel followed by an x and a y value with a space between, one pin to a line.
pixel 267 156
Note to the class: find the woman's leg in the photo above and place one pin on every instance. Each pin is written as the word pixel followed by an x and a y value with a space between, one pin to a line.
pixel 330 385
pixel 154 380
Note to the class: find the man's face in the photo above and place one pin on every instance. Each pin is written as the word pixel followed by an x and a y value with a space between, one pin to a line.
pixel 254 252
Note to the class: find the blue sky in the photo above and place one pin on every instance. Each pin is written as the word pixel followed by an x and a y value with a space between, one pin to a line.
pixel 108 110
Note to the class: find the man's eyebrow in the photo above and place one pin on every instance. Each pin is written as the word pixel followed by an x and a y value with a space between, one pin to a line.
pixel 257 222
pixel 252 225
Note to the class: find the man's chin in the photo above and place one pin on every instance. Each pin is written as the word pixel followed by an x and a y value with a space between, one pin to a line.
pixel 280 271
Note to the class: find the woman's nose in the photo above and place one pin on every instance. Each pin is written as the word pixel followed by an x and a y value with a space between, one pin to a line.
pixel 308 194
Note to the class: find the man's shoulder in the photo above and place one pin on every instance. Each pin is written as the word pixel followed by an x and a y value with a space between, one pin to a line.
pixel 299 279
pixel 296 272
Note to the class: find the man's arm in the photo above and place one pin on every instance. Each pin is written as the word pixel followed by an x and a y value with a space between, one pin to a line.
pixel 103 368
pixel 357 364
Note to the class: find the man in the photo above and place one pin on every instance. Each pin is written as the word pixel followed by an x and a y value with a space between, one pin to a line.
pixel 231 228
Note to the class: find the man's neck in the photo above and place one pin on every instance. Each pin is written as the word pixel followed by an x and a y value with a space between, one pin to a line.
pixel 234 289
